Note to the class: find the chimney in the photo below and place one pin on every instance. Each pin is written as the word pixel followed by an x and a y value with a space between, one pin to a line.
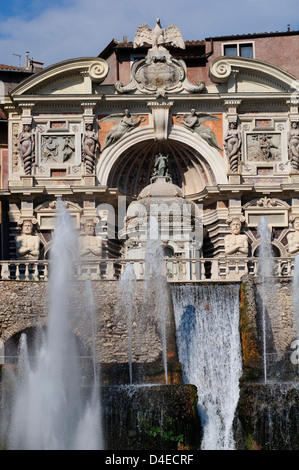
pixel 125 38
pixel 27 61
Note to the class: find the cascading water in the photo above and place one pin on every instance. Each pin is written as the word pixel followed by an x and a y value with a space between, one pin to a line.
pixel 48 413
pixel 207 324
pixel 265 270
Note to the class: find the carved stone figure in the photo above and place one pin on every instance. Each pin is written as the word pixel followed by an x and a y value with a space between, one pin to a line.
pixel 236 243
pixel 50 150
pixel 126 123
pixel 232 145
pixel 90 245
pixel 194 122
pixel 68 149
pixel 90 143
pixel 27 244
pixel 161 166
pixel 26 148
pixel 293 238
pixel 158 37
pixel 159 73
pixel 294 145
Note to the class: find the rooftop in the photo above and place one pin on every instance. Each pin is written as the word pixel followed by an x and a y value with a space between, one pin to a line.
pixel 13 68
pixel 252 35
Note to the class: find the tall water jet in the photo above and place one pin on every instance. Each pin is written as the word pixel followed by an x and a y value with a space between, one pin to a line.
pixel 48 413
pixel 155 282
pixel 296 293
pixel 89 433
pixel 266 271
pixel 128 290
pixel 207 324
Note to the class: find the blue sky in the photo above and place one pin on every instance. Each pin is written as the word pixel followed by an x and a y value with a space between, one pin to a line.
pixel 64 29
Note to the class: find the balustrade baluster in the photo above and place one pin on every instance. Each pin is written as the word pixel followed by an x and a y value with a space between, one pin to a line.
pixel 35 272
pixel 5 272
pixel 202 271
pixel 27 272
pixel 279 268
pixel 17 272
pixel 215 269
pixel 46 272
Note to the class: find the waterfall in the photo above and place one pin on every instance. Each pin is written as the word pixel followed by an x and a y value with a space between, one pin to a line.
pixel 207 325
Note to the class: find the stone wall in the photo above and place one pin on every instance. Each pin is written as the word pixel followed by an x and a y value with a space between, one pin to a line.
pixel 276 317
pixel 24 305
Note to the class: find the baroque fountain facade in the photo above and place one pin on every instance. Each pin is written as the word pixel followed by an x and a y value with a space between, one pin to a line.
pixel 180 191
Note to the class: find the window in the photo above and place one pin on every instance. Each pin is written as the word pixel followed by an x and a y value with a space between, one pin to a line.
pixel 239 50
pixel 230 50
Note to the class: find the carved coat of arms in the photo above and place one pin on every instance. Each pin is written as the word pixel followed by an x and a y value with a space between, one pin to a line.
pixel 159 73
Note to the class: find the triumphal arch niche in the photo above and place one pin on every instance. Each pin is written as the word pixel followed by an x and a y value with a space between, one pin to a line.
pixel 78 133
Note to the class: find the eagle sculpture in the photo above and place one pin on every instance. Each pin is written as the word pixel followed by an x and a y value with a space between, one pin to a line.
pixel 158 36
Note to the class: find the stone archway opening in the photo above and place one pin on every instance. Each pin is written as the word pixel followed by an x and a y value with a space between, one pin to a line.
pixel 133 169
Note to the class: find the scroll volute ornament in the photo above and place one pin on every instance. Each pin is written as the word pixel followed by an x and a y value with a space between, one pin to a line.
pixel 98 70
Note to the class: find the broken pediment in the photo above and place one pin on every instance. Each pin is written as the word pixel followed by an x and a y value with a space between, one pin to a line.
pixel 240 74
pixel 75 76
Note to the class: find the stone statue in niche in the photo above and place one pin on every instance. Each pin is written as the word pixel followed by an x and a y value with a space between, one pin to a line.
pixel 90 144
pixel 125 123
pixel 27 244
pixel 293 145
pixel 90 245
pixel 232 145
pixel 26 148
pixel 293 237
pixel 194 122
pixel 161 166
pixel 58 148
pixel 235 243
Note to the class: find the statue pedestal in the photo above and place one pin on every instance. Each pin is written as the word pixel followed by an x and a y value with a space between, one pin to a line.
pixel 27 180
pixel 89 180
pixel 234 178
pixel 294 177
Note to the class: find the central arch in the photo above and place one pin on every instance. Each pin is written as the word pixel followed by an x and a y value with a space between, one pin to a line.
pixel 193 164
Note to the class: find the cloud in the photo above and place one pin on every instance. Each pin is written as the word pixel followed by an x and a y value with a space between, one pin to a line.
pixel 76 28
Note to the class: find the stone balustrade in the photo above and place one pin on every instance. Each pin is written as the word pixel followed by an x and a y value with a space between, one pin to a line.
pixel 178 270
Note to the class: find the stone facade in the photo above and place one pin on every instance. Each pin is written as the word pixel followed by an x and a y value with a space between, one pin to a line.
pixel 88 131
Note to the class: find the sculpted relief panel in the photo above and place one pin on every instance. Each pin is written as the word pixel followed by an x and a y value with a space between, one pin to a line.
pixel 263 147
pixel 57 148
